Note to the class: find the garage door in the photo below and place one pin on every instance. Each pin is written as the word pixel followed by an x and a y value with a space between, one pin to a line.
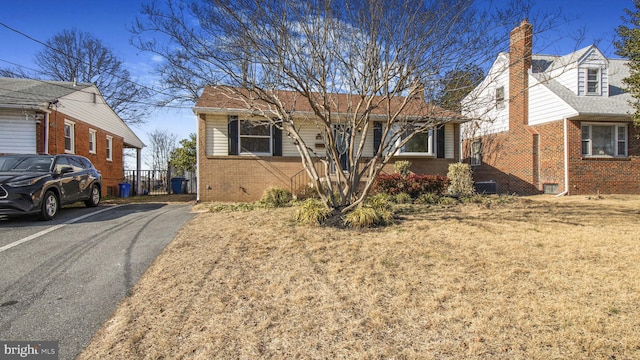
pixel 17 135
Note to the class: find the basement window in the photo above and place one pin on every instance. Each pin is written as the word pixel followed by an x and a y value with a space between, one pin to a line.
pixel 550 188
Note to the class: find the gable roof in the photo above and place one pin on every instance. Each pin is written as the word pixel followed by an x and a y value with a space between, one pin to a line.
pixel 221 99
pixel 34 94
pixel 616 104
pixel 30 94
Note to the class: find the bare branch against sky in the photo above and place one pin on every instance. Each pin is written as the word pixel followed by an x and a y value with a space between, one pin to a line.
pixel 388 57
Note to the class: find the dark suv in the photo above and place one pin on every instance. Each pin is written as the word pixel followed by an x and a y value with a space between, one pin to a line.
pixel 43 183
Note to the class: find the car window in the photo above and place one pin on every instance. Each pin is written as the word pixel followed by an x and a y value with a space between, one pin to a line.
pixel 76 164
pixel 61 162
pixel 86 162
pixel 26 163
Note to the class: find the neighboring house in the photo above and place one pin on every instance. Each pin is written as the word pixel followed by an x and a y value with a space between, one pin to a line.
pixel 552 124
pixel 238 159
pixel 54 117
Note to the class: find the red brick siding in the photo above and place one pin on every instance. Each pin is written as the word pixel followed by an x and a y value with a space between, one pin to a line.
pixel 112 171
pixel 603 176
pixel 551 154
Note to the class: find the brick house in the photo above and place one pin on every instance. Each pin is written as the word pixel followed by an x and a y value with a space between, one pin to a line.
pixel 54 117
pixel 552 124
pixel 238 159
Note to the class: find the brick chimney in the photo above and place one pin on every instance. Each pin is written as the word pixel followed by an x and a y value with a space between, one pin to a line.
pixel 520 49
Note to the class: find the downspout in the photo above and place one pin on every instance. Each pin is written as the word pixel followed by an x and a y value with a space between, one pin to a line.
pixel 459 143
pixel 197 157
pixel 46 132
pixel 566 162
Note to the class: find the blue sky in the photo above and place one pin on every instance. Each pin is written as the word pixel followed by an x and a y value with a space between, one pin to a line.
pixel 109 21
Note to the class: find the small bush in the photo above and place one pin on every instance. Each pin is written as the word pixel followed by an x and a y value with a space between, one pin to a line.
pixel 403 198
pixel 461 180
pixel 307 192
pixel 362 216
pixel 276 197
pixel 428 199
pixel 311 212
pixel 447 201
pixel 380 202
pixel 422 184
pixel 402 167
pixel 414 184
pixel 475 199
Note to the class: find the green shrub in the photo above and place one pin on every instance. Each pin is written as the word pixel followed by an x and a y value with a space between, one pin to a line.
pixel 428 199
pixel 403 198
pixel 311 212
pixel 362 216
pixel 380 202
pixel 402 167
pixel 475 199
pixel 447 201
pixel 461 181
pixel 276 197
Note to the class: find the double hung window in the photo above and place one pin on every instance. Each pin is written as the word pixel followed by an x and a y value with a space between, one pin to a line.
pixel 593 81
pixel 249 137
pixel 604 140
pixel 69 137
pixel 254 137
pixel 500 98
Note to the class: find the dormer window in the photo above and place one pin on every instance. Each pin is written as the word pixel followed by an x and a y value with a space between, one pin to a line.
pixel 593 81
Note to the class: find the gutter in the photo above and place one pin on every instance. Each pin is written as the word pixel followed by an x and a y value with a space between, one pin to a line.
pixel 231 111
pixel 566 162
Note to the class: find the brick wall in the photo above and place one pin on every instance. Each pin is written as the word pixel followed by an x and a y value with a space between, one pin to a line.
pixel 603 175
pixel 112 171
pixel 551 154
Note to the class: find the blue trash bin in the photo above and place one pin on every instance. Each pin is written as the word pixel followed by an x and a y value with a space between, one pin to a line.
pixel 176 185
pixel 125 189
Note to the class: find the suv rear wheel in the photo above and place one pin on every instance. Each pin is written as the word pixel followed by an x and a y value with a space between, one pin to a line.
pixel 94 197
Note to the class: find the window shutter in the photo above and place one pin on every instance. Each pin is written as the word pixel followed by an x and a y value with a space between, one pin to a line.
pixel 233 135
pixel 377 136
pixel 440 142
pixel 277 140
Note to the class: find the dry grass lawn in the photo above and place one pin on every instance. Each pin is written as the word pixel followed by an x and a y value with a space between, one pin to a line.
pixel 542 278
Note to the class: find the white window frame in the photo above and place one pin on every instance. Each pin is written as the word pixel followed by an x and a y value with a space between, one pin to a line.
pixel 92 141
pixel 431 144
pixel 617 141
pixel 240 137
pixel 109 148
pixel 500 97
pixel 597 81
pixel 71 136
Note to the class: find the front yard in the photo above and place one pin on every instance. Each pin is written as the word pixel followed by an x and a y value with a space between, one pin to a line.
pixel 540 278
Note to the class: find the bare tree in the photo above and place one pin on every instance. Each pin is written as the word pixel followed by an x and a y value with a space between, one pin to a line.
pixel 74 55
pixel 161 143
pixel 384 57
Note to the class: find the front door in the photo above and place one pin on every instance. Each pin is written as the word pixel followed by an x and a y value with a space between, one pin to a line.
pixel 342 134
